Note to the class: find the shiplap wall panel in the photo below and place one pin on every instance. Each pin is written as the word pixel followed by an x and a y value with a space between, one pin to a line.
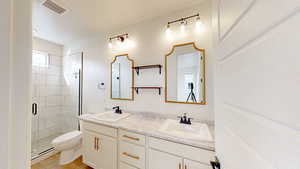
pixel 261 76
pixel 258 84
pixel 261 16
pixel 237 154
pixel 230 15
pixel 271 141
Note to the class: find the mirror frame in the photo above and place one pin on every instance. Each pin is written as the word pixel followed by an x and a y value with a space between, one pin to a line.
pixel 203 70
pixel 132 72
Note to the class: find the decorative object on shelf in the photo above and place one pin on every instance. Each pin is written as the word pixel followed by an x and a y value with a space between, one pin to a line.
pixel 141 87
pixel 122 78
pixel 185 75
pixel 137 68
pixel 184 22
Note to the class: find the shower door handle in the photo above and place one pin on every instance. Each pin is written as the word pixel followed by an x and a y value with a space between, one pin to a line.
pixel 34 109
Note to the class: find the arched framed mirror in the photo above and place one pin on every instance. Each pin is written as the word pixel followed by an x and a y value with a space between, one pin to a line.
pixel 122 78
pixel 185 75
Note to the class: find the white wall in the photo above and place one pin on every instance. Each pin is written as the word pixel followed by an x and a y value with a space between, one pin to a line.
pixel 257 105
pixel 151 45
pixel 15 58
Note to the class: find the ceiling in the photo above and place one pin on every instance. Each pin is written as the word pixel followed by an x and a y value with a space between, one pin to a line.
pixel 84 18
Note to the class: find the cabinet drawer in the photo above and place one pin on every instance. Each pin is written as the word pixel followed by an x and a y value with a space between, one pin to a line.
pixel 189 152
pixel 126 166
pixel 98 128
pixel 132 137
pixel 132 154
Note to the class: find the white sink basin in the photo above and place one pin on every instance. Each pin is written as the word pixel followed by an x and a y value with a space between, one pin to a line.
pixel 110 116
pixel 196 131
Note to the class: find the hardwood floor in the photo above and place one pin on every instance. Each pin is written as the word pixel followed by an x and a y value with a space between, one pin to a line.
pixel 53 163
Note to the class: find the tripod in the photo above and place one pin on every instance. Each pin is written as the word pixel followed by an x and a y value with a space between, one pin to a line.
pixel 192 94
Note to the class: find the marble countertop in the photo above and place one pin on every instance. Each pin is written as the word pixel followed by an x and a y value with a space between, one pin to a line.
pixel 149 124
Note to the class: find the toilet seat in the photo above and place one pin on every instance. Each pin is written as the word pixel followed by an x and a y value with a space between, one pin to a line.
pixel 74 135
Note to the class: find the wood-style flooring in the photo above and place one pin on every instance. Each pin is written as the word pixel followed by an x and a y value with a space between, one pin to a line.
pixel 53 163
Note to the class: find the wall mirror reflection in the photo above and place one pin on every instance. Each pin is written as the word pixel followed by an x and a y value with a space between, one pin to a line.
pixel 185 75
pixel 122 78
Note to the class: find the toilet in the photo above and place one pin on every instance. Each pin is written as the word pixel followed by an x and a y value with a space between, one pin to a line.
pixel 69 145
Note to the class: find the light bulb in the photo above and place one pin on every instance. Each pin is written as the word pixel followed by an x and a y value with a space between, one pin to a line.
pixel 182 26
pixel 168 30
pixel 119 43
pixel 110 44
pixel 199 25
pixel 169 33
pixel 128 43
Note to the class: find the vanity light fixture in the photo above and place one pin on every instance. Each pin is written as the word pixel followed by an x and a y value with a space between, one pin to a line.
pixel 120 39
pixel 184 22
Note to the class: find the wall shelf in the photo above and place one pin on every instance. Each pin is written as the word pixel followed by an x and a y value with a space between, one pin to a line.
pixel 144 87
pixel 137 68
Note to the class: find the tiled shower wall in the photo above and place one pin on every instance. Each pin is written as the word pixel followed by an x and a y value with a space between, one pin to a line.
pixel 47 88
pixel 56 90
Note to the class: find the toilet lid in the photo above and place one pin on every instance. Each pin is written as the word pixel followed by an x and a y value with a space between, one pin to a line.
pixel 67 137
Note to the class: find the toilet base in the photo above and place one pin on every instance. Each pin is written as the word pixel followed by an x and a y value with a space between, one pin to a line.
pixel 68 156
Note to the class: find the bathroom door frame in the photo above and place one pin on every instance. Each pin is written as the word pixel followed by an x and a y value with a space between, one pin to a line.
pixel 15 87
pixel 80 89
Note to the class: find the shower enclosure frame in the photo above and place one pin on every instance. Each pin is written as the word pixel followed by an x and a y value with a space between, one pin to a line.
pixel 80 108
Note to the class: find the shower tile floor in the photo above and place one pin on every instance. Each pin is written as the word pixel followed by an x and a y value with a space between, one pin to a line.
pixel 42 145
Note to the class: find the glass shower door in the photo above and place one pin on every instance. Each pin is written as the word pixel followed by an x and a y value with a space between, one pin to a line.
pixel 47 101
pixel 56 98
pixel 73 82
pixel 39 63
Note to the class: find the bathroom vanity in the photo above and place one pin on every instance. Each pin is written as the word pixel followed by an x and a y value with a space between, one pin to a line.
pixel 152 141
pixel 136 142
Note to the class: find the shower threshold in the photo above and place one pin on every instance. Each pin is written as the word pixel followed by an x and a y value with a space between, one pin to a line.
pixel 42 153
pixel 43 146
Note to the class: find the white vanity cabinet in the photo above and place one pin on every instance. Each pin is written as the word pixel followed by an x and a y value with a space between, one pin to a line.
pixel 90 152
pixel 166 154
pixel 162 160
pixel 100 146
pixel 110 148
